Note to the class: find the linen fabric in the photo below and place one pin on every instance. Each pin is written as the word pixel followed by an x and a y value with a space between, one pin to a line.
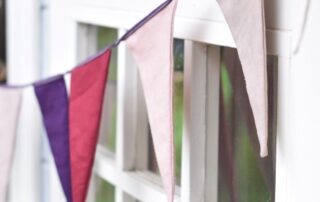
pixel 246 21
pixel 88 83
pixel 151 46
pixel 10 101
pixel 54 104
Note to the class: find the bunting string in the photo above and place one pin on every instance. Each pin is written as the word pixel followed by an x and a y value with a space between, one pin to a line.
pixel 88 60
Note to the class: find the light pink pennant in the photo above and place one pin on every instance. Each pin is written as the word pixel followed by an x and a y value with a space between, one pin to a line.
pixel 246 21
pixel 151 46
pixel 9 110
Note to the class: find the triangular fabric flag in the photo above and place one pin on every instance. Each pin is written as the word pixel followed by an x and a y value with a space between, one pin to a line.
pixel 10 100
pixel 88 83
pixel 246 21
pixel 54 104
pixel 151 46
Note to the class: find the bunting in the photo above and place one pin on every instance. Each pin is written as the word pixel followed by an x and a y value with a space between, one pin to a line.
pixel 10 100
pixel 246 21
pixel 72 122
pixel 151 46
pixel 54 104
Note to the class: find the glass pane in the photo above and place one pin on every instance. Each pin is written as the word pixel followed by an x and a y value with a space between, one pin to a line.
pixel 178 111
pixel 107 36
pixel 178 104
pixel 243 175
pixel 105 192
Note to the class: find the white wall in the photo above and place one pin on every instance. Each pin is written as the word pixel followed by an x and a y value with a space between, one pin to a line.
pixel 303 157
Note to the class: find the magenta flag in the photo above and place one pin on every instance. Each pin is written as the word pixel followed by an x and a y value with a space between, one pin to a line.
pixel 246 21
pixel 54 104
pixel 10 100
pixel 88 83
pixel 151 46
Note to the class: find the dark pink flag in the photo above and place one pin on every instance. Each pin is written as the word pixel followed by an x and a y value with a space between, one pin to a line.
pixel 88 83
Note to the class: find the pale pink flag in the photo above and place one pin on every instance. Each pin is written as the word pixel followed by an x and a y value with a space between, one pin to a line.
pixel 9 110
pixel 246 21
pixel 151 46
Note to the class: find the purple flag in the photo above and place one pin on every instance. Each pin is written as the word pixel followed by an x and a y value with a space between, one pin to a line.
pixel 53 100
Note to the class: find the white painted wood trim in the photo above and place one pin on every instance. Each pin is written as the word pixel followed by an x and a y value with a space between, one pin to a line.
pixel 23 41
pixel 201 123
pixel 132 124
pixel 194 131
pixel 62 39
pixel 23 66
pixel 143 186
pixel 128 120
pixel 87 41
pixel 202 9
pixel 201 25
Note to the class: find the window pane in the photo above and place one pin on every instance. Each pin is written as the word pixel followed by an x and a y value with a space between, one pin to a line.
pixel 105 192
pixel 107 36
pixel 178 104
pixel 177 114
pixel 243 175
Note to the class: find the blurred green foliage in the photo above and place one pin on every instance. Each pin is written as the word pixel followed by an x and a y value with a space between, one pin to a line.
pixel 106 37
pixel 105 192
pixel 247 182
pixel 178 104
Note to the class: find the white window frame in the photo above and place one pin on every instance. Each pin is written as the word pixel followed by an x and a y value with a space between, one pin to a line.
pixel 201 24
